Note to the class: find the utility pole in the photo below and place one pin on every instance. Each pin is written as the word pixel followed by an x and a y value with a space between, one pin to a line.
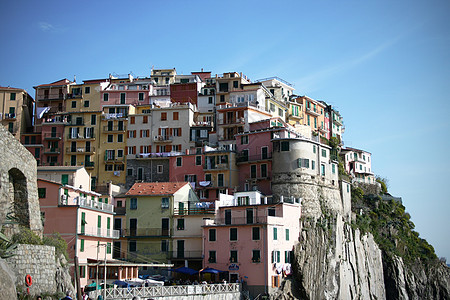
pixel 104 282
pixel 77 278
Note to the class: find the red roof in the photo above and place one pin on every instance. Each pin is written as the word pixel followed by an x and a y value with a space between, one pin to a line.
pixel 155 188
pixel 56 83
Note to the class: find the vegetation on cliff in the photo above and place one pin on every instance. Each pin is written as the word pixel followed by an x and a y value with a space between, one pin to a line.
pixel 391 226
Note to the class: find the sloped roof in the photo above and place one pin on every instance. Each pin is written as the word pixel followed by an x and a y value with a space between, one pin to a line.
pixel 56 83
pixel 155 188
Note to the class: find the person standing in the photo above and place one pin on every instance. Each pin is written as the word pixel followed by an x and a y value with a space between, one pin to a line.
pixel 67 297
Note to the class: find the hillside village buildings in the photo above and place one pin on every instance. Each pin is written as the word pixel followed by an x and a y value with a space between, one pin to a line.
pixel 195 162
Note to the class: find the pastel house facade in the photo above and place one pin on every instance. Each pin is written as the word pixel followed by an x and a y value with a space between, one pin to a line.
pixel 251 238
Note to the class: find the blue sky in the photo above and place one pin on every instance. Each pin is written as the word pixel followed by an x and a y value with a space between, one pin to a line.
pixel 383 64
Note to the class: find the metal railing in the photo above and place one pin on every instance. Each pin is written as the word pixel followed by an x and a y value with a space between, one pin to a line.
pixel 162 291
pixel 193 211
pixel 184 254
pixel 243 220
pixel 114 116
pixel 256 157
pixel 52 150
pixel 80 150
pixel 80 136
pixel 52 135
pixel 147 232
pixel 100 232
pixel 85 202
pixel 162 138
pixel 114 128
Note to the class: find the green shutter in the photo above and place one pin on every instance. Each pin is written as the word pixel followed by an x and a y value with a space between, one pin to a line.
pixel 82 245
pixel 99 222
pixel 64 179
pixel 275 233
pixel 287 234
pixel 83 222
pixel 108 248
pixel 108 223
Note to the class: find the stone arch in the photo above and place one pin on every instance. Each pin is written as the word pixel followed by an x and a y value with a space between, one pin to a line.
pixel 18 202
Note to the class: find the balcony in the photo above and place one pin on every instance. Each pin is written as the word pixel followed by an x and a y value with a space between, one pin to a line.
pixel 80 136
pixel 244 221
pixel 8 116
pixel 52 151
pixel 162 139
pixel 294 117
pixel 210 166
pixel 80 150
pixel 116 128
pixel 78 122
pixel 99 232
pixel 120 210
pixel 89 164
pixel 193 211
pixel 184 254
pixel 74 96
pixel 85 202
pixel 148 232
pixel 313 112
pixel 51 97
pixel 114 159
pixel 253 158
pixel 337 120
pixel 232 121
pixel 114 116
pixel 52 136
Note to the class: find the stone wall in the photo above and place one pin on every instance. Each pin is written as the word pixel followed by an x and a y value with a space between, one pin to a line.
pixel 37 261
pixel 150 171
pixel 18 186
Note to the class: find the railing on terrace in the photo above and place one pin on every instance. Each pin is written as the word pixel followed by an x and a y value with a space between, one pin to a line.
pixel 162 138
pixel 162 291
pixel 80 150
pixel 80 136
pixel 147 232
pixel 114 128
pixel 256 157
pixel 85 202
pixel 99 232
pixel 114 116
pixel 51 135
pixel 184 254
pixel 243 220
pixel 193 211
pixel 8 116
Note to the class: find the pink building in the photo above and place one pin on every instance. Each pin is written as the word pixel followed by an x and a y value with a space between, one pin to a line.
pixel 86 225
pixel 252 239
pixel 254 148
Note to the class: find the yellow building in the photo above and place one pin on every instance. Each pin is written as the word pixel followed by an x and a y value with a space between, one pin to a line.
pixel 312 114
pixel 16 110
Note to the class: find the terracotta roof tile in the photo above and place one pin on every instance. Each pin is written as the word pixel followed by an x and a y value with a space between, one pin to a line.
pixel 155 188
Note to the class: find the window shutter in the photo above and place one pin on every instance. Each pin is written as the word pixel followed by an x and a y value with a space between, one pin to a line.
pixel 168 148
pixel 157 149
pixel 128 134
pixel 179 132
pixel 126 150
pixel 141 132
pixel 171 132
pixel 159 131
pixel 134 150
pixel 141 149
pixel 150 148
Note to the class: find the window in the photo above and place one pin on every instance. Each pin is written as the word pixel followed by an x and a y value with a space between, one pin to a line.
pixel 105 97
pixel 255 233
pixel 42 192
pixel 145 133
pixel 264 170
pixel 133 203
pixel 275 256
pixel 210 100
pixel 233 256
pixel 120 138
pixel 129 172
pixel 271 211
pixel 179 161
pixel 163 116
pixel 74 104
pixel 314 148
pixel 175 115
pixel 11 127
pixel 288 256
pixel 165 202
pixel 198 160
pixel 93 119
pixel 131 149
pixel 275 281
pixel 324 153
pixel 87 90
pixel 333 169
pixel 233 234
pixel 145 119
pixel 176 132
pixel 108 167
pixel 164 246
pixel 256 256
pixel 244 139
pixel 235 84
pixel 322 169
pixel 313 164
pixel 208 177
pixel 131 134
pixel 159 169
pixel 275 233
pixel 285 146
pixel 122 98
pixel 141 97
pixel 12 96
pixel 303 162
pixel 132 246
pixel 253 171
pixel 180 224
pixel 64 179
pixel 212 257
pixel 212 235
pixel 110 138
pixel 287 234
pixel 220 179
pixel 222 98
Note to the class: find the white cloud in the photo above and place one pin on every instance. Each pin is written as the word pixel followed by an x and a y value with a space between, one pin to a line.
pixel 47 27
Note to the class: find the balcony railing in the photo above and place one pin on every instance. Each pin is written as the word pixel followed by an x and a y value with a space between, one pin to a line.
pixel 114 116
pixel 148 232
pixel 99 232
pixel 80 136
pixel 244 220
pixel 184 254
pixel 51 97
pixel 85 202
pixel 312 111
pixel 80 150
pixel 52 150
pixel 253 158
pixel 193 211
pixel 114 128
pixel 210 166
pixel 115 158
pixel 162 138
pixel 52 136
pixel 8 116
pixel 232 121
pixel 120 210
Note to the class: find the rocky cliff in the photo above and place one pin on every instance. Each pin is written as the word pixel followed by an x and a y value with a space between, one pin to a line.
pixel 348 251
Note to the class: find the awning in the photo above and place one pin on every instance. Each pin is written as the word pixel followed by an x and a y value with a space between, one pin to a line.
pixel 211 270
pixel 40 111
pixel 185 270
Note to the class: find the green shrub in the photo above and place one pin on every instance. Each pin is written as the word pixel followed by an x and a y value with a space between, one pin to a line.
pixel 58 242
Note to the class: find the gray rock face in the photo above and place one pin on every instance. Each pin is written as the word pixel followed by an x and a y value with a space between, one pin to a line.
pixel 7 281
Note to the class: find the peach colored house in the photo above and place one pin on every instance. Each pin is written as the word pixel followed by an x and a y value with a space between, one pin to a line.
pixel 86 225
pixel 252 239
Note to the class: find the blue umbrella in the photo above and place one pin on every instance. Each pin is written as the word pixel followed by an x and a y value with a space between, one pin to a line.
pixel 211 270
pixel 184 270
